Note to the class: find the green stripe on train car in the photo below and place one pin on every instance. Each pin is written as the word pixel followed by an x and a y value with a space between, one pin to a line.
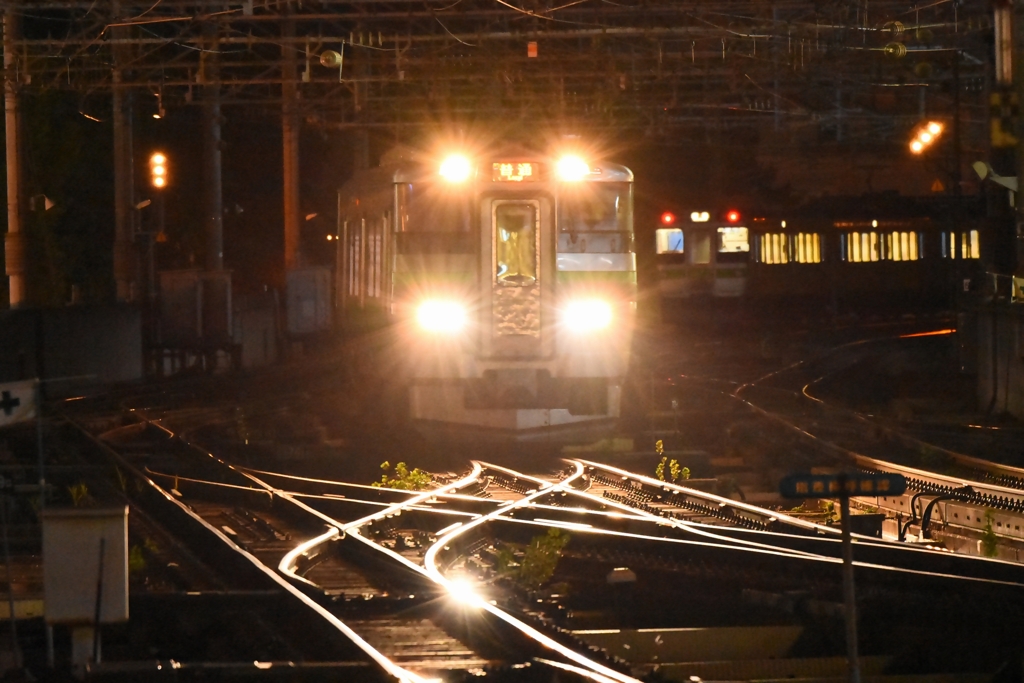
pixel 618 276
pixel 411 277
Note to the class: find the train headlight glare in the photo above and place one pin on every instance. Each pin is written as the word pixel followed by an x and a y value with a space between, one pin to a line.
pixel 441 316
pixel 587 315
pixel 572 168
pixel 456 168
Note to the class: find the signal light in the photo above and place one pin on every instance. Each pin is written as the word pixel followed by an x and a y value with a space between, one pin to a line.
pixel 732 216
pixel 925 136
pixel 668 218
pixel 158 170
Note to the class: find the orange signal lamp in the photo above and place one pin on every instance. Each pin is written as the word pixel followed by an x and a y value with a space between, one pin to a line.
pixel 158 170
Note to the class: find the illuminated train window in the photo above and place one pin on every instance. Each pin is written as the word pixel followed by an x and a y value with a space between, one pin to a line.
pixel 803 247
pixel 732 240
pixel 808 247
pixel 961 245
pixel 860 247
pixel 773 248
pixel 865 247
pixel 903 246
pixel 669 240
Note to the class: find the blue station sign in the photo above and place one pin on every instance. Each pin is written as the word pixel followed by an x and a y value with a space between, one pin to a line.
pixel 844 484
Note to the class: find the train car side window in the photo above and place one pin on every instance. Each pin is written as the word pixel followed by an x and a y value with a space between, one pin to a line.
pixel 961 245
pixel 808 247
pixel 515 244
pixel 902 246
pixel 862 247
pixel 969 245
pixel 669 240
pixel 773 248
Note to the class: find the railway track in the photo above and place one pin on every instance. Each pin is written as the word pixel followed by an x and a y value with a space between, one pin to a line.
pixel 401 585
pixel 408 635
pixel 972 495
pixel 244 532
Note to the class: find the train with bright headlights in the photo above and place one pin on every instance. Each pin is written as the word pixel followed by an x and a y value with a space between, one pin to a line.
pixel 507 279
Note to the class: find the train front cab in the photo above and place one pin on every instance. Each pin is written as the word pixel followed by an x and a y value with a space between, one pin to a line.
pixel 534 279
pixel 700 259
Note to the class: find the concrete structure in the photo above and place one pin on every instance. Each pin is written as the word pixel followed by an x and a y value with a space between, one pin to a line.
pixel 1000 353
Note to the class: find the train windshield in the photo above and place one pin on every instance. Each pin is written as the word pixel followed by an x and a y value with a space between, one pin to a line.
pixel 434 220
pixel 429 209
pixel 596 207
pixel 733 244
pixel 596 217
pixel 669 240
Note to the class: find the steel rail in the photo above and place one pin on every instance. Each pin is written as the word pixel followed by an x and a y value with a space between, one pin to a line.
pixel 288 564
pixel 968 461
pixel 430 566
pixel 345 484
pixel 984 489
pixel 916 477
pixel 686 525
pixel 386 664
pixel 951 488
pixel 802 556
pixel 282 578
pixel 716 499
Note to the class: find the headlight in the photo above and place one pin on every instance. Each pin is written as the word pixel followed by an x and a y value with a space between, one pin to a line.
pixel 572 168
pixel 456 168
pixel 587 315
pixel 441 316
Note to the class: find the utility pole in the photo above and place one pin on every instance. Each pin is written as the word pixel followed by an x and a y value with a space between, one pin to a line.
pixel 14 242
pixel 124 168
pixel 290 143
pixel 214 192
pixel 1018 86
